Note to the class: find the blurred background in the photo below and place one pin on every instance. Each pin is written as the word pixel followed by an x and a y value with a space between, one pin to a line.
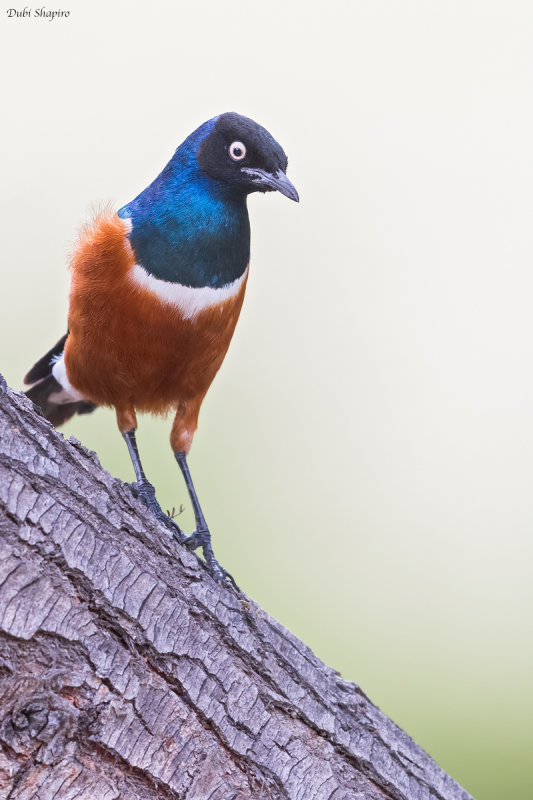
pixel 365 455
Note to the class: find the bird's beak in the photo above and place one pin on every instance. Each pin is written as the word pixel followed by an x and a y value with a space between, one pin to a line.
pixel 279 181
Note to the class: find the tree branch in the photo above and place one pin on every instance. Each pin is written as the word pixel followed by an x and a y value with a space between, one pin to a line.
pixel 127 672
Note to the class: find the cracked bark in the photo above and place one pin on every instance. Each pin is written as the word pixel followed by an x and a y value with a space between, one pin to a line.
pixel 126 672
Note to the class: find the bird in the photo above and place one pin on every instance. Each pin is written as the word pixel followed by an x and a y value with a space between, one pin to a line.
pixel 156 291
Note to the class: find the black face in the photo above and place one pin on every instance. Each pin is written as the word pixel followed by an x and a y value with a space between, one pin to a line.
pixel 242 154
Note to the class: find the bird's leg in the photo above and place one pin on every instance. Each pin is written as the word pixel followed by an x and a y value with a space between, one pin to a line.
pixel 143 489
pixel 202 536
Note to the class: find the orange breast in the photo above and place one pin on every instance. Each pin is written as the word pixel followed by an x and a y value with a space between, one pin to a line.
pixel 126 347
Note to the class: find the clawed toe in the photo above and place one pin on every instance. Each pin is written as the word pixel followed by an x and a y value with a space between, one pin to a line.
pixel 197 539
pixel 202 538
pixel 221 575
pixel 145 492
pixel 218 572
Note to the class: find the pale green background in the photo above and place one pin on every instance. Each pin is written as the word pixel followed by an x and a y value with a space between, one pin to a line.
pixel 365 457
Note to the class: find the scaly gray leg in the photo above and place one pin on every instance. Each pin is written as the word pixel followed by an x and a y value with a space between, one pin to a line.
pixel 144 490
pixel 201 537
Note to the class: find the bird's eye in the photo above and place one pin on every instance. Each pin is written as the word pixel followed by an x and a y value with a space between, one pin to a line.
pixel 237 151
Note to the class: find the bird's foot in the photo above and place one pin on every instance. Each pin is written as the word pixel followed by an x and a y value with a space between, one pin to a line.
pixel 202 538
pixel 145 492
pixel 197 539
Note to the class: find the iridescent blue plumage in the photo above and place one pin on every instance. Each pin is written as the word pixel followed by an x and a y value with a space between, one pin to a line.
pixel 187 227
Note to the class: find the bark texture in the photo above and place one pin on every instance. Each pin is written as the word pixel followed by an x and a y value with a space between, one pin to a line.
pixel 126 672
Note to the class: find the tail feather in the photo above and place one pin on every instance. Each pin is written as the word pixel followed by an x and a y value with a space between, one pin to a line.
pixel 42 368
pixel 57 413
pixel 47 392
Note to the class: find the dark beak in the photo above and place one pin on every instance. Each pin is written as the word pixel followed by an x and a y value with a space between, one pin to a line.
pixel 279 181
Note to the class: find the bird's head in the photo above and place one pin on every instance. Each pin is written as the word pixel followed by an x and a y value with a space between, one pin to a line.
pixel 244 156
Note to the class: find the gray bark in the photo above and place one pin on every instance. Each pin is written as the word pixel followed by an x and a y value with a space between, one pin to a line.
pixel 127 672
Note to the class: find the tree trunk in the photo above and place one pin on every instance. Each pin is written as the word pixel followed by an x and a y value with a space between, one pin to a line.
pixel 127 672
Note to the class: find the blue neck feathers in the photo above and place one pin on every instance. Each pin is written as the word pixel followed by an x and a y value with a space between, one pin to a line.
pixel 188 228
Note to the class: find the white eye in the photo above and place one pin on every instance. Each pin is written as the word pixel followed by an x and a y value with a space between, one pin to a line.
pixel 237 151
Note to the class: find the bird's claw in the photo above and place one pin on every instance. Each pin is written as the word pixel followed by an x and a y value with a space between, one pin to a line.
pixel 217 571
pixel 221 575
pixel 197 539
pixel 202 538
pixel 145 492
